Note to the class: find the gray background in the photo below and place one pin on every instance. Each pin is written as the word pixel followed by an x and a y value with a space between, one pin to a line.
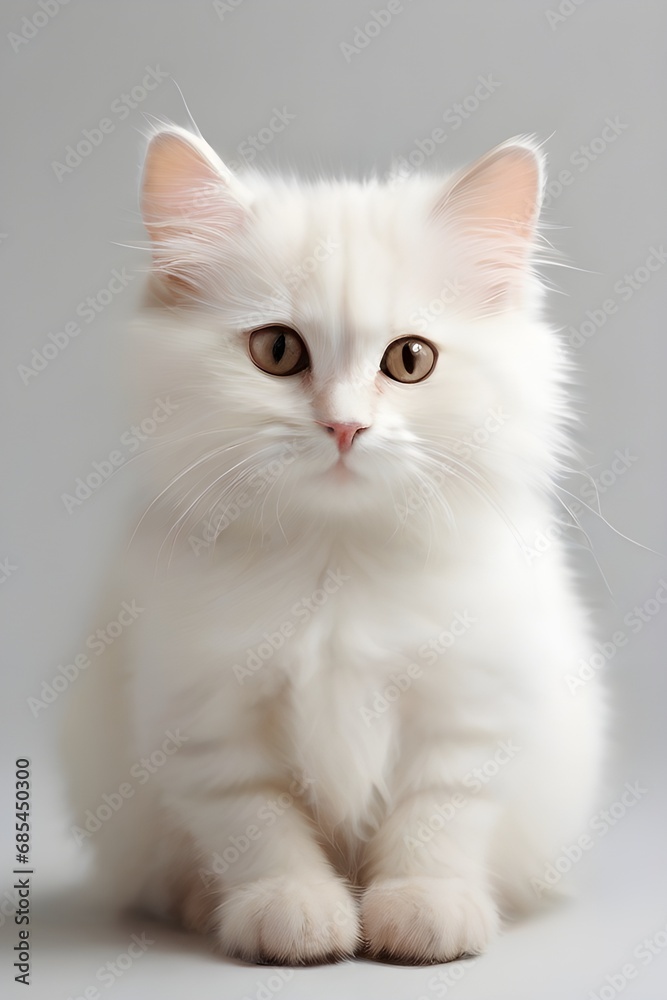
pixel 558 76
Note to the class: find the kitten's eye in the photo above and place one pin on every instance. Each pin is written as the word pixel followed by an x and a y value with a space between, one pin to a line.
pixel 409 360
pixel 277 350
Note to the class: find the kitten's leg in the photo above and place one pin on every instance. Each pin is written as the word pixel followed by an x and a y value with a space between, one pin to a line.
pixel 427 896
pixel 282 901
pixel 276 898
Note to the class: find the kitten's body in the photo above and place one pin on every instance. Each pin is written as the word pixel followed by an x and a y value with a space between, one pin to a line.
pixel 366 670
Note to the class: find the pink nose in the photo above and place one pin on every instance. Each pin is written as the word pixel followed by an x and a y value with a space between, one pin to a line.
pixel 343 433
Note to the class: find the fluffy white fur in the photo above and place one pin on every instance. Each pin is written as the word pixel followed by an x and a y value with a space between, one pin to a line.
pixel 427 516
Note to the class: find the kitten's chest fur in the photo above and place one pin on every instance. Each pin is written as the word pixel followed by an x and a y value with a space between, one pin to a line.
pixel 360 652
pixel 356 643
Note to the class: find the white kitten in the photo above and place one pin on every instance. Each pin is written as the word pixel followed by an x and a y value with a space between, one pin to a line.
pixel 341 716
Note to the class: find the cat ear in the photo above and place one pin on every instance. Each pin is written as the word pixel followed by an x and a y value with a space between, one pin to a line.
pixel 494 206
pixel 189 199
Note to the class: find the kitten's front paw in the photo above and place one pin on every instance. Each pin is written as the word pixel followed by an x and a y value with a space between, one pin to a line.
pixel 284 921
pixel 427 919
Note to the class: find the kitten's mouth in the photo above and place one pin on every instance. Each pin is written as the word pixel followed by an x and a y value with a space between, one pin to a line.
pixel 341 472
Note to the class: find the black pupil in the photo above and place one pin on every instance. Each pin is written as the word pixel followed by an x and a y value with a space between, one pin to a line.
pixel 410 352
pixel 278 348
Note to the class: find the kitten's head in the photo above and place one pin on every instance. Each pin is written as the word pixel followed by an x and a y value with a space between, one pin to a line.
pixel 343 350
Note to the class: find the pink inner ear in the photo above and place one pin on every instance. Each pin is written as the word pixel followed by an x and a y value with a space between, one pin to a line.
pixel 190 204
pixel 498 196
pixel 493 207
pixel 185 181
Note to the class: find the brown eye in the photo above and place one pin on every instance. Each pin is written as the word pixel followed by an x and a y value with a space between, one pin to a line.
pixel 277 350
pixel 409 360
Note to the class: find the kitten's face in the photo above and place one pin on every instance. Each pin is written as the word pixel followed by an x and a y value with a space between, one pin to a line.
pixel 339 348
